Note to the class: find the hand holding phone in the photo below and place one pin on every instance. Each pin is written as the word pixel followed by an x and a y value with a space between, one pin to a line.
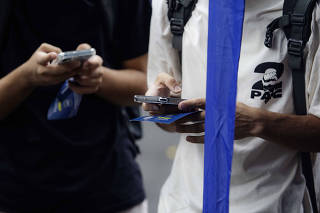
pixel 39 72
pixel 166 91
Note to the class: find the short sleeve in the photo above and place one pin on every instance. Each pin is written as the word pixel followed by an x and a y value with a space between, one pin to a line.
pixel 162 56
pixel 133 28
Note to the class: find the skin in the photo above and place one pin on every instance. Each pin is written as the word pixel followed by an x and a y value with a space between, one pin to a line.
pixel 120 86
pixel 116 86
pixel 36 72
pixel 165 85
pixel 296 132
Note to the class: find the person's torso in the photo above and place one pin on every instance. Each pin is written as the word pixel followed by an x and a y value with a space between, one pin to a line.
pixel 90 154
pixel 265 177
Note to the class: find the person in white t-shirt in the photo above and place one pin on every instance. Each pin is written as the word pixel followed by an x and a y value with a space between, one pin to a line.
pixel 266 171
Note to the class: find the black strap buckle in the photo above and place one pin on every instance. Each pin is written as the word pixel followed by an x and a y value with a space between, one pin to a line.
pixel 177 26
pixel 295 47
pixel 298 19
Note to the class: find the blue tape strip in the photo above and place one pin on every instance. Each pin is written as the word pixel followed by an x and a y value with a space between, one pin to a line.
pixel 224 44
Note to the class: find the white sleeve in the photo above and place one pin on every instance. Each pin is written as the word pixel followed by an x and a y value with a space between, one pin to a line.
pixel 313 67
pixel 162 57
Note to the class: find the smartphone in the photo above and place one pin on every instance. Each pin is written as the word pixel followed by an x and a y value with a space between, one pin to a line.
pixel 157 100
pixel 79 55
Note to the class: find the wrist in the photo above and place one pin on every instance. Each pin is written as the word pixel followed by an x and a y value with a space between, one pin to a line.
pixel 259 123
pixel 25 77
pixel 104 81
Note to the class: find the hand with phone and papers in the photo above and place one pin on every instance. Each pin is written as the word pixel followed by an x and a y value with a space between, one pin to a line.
pixel 193 119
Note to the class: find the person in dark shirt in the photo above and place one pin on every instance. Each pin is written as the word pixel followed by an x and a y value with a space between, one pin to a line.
pixel 85 164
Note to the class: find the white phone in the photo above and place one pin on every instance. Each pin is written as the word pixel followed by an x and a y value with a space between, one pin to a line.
pixel 157 100
pixel 79 55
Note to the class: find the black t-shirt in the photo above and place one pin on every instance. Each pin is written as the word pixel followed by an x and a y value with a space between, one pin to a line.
pixel 87 163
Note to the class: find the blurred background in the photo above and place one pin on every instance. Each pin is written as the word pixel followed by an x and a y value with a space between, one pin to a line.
pixel 157 153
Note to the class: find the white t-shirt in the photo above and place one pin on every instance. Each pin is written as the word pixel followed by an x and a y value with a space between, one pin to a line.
pixel 266 177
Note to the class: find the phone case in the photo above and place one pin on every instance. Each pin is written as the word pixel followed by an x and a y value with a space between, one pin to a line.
pixel 80 55
pixel 157 100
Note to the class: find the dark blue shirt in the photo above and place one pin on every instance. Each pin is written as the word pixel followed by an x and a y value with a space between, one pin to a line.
pixel 85 164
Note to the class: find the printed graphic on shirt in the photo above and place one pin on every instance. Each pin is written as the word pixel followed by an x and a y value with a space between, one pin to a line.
pixel 270 86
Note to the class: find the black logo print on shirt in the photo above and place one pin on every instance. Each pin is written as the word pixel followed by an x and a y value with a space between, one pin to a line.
pixel 269 87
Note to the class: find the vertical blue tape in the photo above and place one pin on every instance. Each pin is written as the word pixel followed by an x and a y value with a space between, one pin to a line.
pixel 224 45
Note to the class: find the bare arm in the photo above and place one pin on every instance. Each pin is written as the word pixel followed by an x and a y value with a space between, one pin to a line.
pixel 296 132
pixel 120 86
pixel 14 88
pixel 19 84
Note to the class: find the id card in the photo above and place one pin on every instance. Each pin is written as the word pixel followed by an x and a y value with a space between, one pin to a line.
pixel 65 105
pixel 164 119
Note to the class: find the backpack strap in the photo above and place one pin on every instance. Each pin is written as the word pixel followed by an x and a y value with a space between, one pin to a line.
pixel 179 13
pixel 296 23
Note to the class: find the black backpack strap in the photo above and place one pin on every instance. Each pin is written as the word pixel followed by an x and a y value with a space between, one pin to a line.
pixel 300 33
pixel 296 23
pixel 179 13
pixel 307 169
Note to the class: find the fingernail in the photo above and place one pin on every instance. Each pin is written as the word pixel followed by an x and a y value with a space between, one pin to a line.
pixel 177 89
pixel 180 107
pixel 155 108
pixel 183 107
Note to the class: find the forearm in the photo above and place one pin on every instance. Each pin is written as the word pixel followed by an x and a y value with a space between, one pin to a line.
pixel 14 89
pixel 120 86
pixel 297 132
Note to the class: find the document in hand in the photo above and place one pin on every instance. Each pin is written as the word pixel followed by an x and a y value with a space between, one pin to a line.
pixel 164 119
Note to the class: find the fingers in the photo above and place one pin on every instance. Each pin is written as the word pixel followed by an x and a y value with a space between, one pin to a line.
pixel 91 65
pixel 156 109
pixel 69 69
pixel 84 46
pixel 94 61
pixel 196 117
pixel 192 104
pixel 150 107
pixel 169 82
pixel 195 139
pixel 88 81
pixel 158 90
pixel 164 86
pixel 47 48
pixel 72 65
pixel 45 58
pixel 191 128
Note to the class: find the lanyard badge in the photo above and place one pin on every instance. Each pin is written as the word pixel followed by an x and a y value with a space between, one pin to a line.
pixel 65 105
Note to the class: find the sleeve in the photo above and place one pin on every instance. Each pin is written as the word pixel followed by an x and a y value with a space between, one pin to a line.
pixel 162 57
pixel 313 67
pixel 133 28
